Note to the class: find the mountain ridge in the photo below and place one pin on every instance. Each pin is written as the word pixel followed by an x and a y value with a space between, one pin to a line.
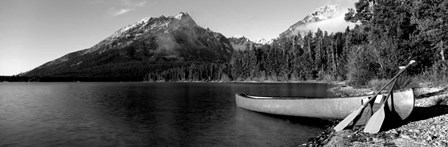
pixel 152 40
pixel 242 43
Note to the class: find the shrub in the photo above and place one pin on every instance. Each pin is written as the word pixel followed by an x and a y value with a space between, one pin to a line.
pixel 403 82
pixel 323 76
pixel 440 70
pixel 377 84
pixel 437 74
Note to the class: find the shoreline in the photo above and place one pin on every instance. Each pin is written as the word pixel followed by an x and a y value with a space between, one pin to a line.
pixel 342 83
pixel 192 81
pixel 427 125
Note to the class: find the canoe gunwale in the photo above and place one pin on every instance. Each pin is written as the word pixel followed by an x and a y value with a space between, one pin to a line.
pixel 291 97
pixel 304 97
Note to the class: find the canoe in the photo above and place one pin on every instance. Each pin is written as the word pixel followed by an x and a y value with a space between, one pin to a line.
pixel 402 102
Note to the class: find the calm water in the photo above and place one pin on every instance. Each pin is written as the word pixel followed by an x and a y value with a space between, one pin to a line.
pixel 150 114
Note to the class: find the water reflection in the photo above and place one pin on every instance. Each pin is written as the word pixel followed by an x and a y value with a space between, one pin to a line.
pixel 271 130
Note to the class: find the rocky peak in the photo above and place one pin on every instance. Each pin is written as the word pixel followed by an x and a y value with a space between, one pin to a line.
pixel 184 18
pixel 328 18
pixel 182 15
pixel 323 13
pixel 148 25
pixel 263 41
pixel 239 38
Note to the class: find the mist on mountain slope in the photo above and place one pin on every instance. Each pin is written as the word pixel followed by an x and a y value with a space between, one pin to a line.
pixel 336 24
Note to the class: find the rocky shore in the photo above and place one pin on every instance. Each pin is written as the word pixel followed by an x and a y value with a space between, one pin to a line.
pixel 427 125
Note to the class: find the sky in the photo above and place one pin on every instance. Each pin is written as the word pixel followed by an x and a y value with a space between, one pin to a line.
pixel 33 32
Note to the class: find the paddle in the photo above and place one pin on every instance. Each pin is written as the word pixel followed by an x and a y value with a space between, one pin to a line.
pixel 376 121
pixel 347 120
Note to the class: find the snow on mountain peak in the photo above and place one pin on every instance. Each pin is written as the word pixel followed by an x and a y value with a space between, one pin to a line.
pixel 145 20
pixel 147 26
pixel 328 8
pixel 237 36
pixel 139 23
pixel 181 15
pixel 263 41
pixel 328 18
pixel 260 41
pixel 324 13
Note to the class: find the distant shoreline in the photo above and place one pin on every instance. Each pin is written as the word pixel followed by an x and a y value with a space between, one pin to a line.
pixel 5 79
pixel 267 81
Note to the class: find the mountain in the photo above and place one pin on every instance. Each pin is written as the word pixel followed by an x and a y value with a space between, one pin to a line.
pixel 242 43
pixel 148 45
pixel 328 18
pixel 263 41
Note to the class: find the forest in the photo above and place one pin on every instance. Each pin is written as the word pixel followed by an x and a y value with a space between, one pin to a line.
pixel 390 33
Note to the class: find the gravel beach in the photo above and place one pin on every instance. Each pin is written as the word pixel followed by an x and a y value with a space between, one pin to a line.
pixel 427 125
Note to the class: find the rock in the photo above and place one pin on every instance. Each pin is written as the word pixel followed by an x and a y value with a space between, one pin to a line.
pixel 405 136
pixel 444 143
pixel 392 131
pixel 433 137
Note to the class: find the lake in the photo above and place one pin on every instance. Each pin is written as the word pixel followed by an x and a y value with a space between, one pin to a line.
pixel 149 114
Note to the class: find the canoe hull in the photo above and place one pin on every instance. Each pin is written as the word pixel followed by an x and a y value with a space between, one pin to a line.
pixel 402 102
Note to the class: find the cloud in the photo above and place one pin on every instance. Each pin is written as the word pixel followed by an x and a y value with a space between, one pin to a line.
pixel 121 12
pixel 336 24
pixel 342 3
pixel 121 7
pixel 133 3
